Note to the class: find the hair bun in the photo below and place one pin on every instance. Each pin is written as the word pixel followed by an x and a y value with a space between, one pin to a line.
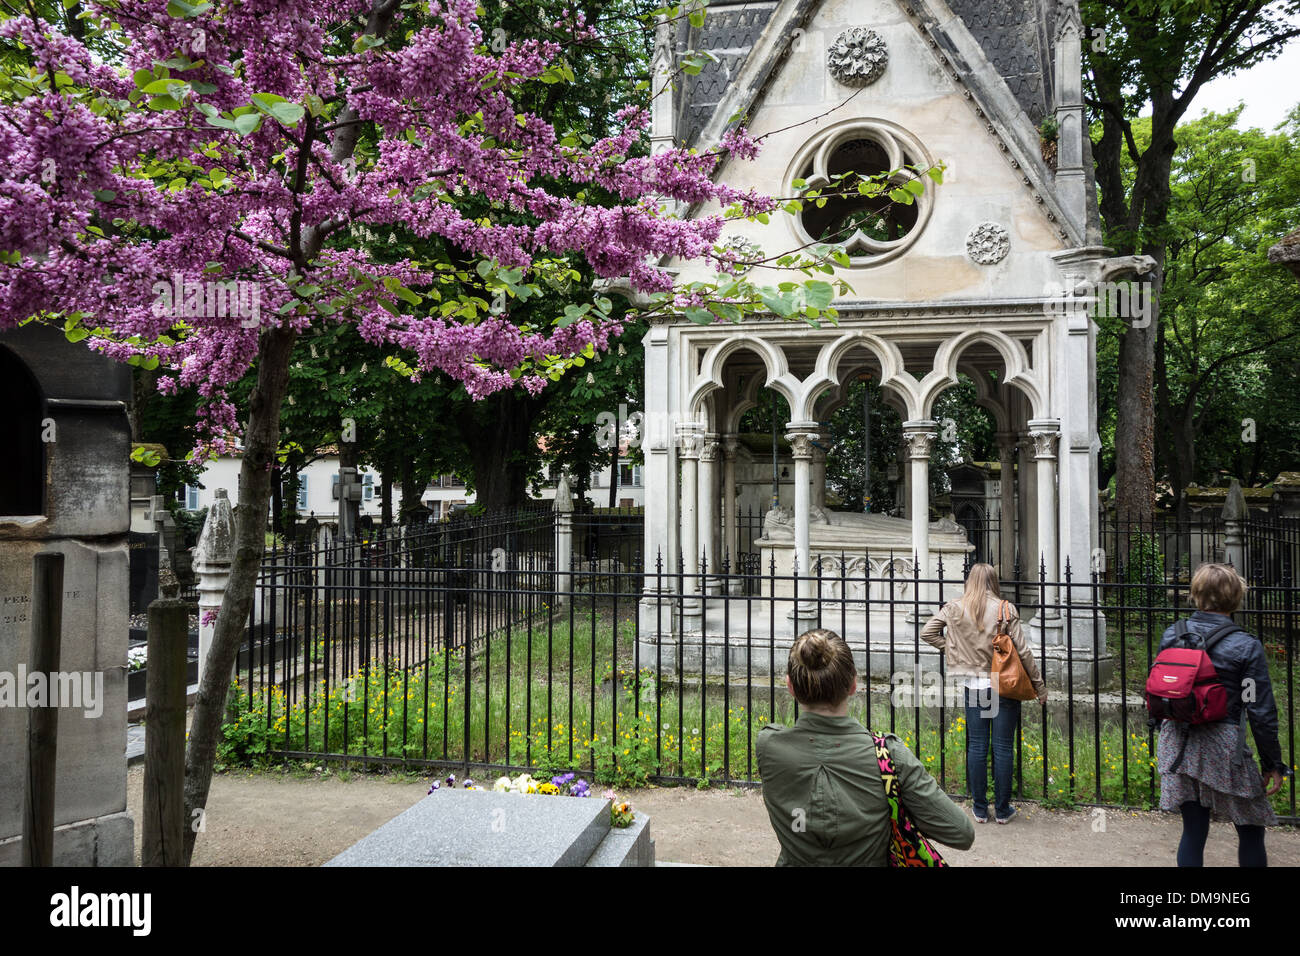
pixel 815 651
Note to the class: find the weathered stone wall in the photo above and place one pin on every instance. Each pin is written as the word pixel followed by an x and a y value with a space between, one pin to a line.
pixel 86 500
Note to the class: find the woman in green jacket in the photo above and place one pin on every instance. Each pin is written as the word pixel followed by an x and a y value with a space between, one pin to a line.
pixel 821 779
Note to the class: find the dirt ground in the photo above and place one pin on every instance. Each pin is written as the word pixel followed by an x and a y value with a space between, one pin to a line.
pixel 283 819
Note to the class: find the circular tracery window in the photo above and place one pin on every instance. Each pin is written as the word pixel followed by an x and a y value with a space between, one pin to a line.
pixel 872 228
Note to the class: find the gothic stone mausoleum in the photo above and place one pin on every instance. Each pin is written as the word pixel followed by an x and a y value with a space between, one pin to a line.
pixel 987 276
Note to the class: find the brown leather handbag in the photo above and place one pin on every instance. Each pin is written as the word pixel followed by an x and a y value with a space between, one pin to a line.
pixel 1008 673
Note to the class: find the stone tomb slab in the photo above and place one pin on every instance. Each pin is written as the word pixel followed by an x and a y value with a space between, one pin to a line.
pixel 485 828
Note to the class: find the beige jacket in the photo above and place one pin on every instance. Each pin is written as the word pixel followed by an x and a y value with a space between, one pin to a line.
pixel 969 649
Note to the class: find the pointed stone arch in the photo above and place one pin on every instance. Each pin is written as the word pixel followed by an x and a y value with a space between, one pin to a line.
pixel 1014 358
pixel 715 360
pixel 894 377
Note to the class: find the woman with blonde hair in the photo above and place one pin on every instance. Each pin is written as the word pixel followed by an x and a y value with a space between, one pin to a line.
pixel 823 787
pixel 1205 769
pixel 965 629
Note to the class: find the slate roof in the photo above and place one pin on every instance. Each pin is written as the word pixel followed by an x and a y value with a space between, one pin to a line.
pixel 1016 36
pixel 730 31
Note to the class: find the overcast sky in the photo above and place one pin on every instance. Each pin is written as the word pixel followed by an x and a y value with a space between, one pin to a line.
pixel 1269 91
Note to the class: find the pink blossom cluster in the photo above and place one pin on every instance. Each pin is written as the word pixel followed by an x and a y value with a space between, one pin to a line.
pixel 102 201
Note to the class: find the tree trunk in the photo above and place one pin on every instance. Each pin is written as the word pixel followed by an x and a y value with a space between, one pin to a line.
pixel 410 492
pixel 499 451
pixel 386 498
pixel 613 476
pixel 261 440
pixel 277 500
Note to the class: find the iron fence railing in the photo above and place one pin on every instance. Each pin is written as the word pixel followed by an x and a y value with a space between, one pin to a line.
pixel 476 650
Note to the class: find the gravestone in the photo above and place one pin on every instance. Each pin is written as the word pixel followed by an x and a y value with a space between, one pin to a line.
pixel 143 549
pixel 486 828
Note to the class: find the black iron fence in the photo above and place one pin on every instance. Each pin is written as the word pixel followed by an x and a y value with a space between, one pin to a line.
pixel 476 649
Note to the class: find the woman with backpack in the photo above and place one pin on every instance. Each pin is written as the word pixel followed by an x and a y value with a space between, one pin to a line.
pixel 1205 768
pixel 833 788
pixel 965 629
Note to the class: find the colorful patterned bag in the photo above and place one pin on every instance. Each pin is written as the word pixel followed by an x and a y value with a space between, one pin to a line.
pixel 907 847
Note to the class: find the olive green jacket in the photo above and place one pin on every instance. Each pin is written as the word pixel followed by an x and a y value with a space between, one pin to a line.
pixel 826 799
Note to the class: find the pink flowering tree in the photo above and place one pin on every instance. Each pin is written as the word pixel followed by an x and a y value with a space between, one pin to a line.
pixel 181 185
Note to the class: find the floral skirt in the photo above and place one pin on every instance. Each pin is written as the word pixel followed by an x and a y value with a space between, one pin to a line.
pixel 1214 772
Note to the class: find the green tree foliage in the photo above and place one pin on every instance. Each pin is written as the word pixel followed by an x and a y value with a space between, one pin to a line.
pixel 1155 56
pixel 1229 343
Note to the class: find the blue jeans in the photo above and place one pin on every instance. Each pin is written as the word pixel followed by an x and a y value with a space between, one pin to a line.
pixel 1002 727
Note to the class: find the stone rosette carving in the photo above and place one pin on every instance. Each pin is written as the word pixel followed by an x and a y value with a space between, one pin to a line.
pixel 857 57
pixel 988 243
pixel 741 252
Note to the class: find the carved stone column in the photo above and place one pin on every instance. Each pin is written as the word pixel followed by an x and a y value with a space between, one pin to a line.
pixel 710 455
pixel 1006 504
pixel 819 473
pixel 801 437
pixel 1045 434
pixel 919 437
pixel 731 528
pixel 689 443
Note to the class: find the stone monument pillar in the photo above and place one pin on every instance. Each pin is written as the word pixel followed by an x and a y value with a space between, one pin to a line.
pixel 563 539
pixel 1234 528
pixel 213 556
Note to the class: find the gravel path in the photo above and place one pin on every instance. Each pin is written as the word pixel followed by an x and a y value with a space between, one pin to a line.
pixel 282 819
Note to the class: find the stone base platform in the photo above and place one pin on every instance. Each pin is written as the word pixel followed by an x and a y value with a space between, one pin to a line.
pixel 747 640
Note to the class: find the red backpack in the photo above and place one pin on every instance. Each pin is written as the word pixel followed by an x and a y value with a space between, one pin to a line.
pixel 1183 684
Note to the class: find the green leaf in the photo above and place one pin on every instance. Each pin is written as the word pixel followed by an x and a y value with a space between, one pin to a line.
pixel 105 195
pixel 170 87
pixel 698 315
pixel 781 306
pixel 818 294
pixel 179 8
pixel 246 124
pixel 696 17
pixel 936 174
pixel 367 41
pixel 142 78
pixel 77 334
pixel 278 108
pixel 914 186
pixel 406 295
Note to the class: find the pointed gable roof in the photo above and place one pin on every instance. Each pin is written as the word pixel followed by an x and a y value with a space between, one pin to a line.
pixel 1000 51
